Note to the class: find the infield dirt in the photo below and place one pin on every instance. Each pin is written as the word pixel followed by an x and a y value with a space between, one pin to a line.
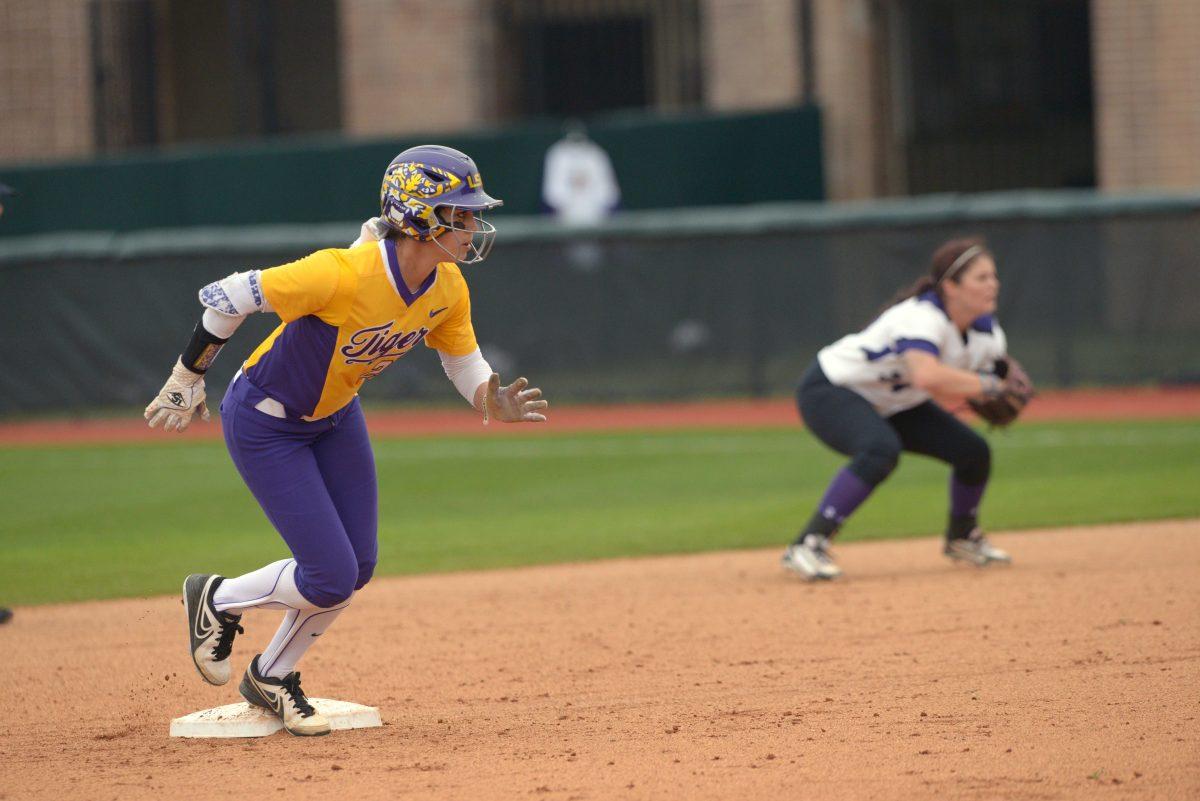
pixel 1074 674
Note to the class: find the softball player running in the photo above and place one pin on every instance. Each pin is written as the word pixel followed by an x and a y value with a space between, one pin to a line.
pixel 870 396
pixel 291 416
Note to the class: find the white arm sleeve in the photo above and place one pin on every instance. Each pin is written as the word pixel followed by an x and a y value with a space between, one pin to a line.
pixel 995 347
pixel 220 325
pixel 372 230
pixel 228 301
pixel 466 372
pixel 1001 341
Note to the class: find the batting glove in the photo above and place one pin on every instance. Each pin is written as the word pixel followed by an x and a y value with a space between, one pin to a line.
pixel 180 398
pixel 514 403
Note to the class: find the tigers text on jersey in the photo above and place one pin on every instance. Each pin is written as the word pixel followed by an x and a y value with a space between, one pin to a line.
pixel 871 362
pixel 347 315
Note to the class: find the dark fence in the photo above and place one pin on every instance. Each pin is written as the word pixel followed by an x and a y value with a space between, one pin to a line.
pixel 695 303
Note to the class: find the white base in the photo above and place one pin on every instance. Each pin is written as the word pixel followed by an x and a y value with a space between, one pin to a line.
pixel 243 720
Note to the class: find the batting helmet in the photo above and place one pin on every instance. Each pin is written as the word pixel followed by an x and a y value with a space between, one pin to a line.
pixel 423 188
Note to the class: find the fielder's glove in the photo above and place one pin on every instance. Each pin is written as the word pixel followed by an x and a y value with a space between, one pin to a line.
pixel 180 398
pixel 1005 404
pixel 514 403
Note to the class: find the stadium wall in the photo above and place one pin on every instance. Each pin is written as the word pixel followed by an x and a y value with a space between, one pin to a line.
pixel 664 162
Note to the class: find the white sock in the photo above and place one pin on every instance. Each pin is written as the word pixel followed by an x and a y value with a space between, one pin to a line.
pixel 270 587
pixel 274 587
pixel 299 630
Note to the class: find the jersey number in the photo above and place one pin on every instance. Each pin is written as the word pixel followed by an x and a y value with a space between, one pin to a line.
pixel 896 380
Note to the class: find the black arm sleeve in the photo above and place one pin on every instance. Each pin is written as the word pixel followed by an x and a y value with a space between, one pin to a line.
pixel 200 353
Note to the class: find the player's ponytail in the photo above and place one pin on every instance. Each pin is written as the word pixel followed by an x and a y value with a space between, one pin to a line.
pixel 948 263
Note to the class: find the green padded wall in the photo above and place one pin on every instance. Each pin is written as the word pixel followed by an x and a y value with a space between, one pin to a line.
pixel 660 163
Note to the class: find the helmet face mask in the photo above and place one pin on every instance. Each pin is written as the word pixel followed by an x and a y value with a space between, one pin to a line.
pixel 426 187
pixel 481 232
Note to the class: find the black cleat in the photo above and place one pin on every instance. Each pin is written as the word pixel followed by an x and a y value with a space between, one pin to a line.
pixel 285 698
pixel 210 632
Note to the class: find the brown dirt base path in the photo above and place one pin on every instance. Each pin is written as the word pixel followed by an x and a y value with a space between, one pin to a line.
pixel 1071 675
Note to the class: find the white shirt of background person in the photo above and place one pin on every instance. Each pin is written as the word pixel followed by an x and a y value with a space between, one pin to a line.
pixel 579 184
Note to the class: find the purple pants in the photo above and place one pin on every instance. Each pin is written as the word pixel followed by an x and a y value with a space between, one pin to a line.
pixel 316 482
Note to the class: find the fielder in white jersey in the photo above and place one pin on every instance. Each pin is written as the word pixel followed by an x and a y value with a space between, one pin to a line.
pixel 872 362
pixel 872 395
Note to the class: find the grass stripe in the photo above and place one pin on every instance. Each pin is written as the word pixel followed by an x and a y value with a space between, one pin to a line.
pixel 109 521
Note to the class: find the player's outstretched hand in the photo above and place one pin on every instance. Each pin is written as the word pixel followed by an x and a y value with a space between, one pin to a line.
pixel 514 403
pixel 180 398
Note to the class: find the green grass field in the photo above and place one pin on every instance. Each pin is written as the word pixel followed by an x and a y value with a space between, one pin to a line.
pixel 110 521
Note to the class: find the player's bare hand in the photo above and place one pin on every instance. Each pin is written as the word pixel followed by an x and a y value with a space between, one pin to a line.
pixel 178 401
pixel 516 403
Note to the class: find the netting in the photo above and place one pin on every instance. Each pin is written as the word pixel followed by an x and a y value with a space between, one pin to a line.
pixel 663 305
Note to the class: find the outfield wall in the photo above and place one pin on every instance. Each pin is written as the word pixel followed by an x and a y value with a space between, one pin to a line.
pixel 654 306
pixel 661 161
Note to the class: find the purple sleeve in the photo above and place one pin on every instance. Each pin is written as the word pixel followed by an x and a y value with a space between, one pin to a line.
pixel 917 344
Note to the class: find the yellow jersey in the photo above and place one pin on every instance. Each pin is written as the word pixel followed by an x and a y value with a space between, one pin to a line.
pixel 347 315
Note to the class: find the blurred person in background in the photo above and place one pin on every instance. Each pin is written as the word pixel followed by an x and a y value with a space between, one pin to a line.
pixel 580 187
pixel 578 182
pixel 291 416
pixel 870 396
